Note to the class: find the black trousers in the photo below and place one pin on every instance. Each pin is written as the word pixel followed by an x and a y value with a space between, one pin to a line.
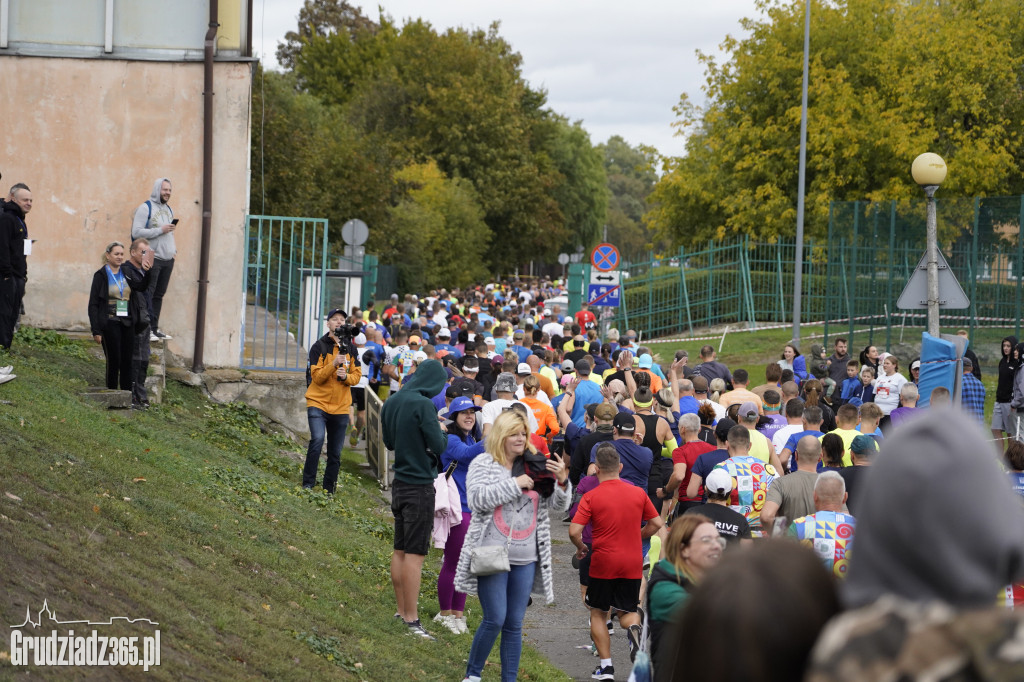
pixel 12 291
pixel 160 277
pixel 118 342
pixel 140 366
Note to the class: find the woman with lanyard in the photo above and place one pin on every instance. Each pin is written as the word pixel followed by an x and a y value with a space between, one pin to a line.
pixel 111 318
pixel 508 511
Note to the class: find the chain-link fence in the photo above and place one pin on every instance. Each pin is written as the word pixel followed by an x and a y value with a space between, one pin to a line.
pixel 852 278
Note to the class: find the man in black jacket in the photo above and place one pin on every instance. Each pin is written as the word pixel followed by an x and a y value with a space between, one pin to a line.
pixel 137 270
pixel 14 249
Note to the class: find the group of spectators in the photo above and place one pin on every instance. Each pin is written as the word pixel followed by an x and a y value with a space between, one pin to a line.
pixel 502 417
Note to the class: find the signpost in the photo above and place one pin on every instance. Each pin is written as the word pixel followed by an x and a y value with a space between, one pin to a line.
pixel 605 257
pixel 604 289
pixel 915 293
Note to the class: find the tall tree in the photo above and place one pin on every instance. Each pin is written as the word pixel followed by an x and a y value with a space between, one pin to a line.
pixel 889 79
pixel 322 18
pixel 631 177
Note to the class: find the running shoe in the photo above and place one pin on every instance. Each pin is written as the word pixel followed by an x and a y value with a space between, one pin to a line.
pixel 4 378
pixel 605 673
pixel 633 634
pixel 416 628
pixel 6 370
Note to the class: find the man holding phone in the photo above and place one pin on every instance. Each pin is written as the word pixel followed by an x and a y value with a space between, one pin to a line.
pixel 154 220
pixel 137 269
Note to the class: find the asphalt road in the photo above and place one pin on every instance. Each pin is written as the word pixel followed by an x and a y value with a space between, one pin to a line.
pixel 557 629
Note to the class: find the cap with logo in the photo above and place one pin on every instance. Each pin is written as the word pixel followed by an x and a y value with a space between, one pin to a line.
pixel 461 404
pixel 624 422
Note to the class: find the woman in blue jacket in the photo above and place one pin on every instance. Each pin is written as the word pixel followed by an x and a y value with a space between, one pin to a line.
pixel 791 359
pixel 464 443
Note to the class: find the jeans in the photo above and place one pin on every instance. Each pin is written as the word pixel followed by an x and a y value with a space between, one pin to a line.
pixel 160 278
pixel 504 597
pixel 334 426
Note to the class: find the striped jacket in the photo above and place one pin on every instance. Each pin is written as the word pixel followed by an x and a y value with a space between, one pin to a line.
pixel 488 486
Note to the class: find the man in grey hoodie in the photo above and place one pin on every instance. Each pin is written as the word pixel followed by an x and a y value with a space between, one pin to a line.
pixel 154 220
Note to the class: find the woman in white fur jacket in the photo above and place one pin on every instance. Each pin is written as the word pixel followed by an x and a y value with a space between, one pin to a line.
pixel 508 511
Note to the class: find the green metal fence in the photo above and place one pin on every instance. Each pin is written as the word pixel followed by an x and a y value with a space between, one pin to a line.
pixel 281 255
pixel 852 278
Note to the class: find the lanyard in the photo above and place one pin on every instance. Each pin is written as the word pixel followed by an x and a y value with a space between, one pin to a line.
pixel 118 280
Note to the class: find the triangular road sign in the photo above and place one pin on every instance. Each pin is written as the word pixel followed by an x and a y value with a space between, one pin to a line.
pixel 915 294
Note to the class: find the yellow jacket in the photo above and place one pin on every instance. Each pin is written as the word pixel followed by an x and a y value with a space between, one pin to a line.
pixel 325 391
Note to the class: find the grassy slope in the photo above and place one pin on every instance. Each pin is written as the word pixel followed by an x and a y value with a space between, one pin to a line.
pixel 248 576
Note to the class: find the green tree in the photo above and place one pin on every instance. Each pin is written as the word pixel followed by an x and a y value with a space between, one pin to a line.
pixel 582 183
pixel 438 236
pixel 889 79
pixel 631 177
pixel 322 18
pixel 308 161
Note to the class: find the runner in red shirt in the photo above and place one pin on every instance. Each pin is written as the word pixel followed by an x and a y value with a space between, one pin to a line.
pixel 615 510
pixel 584 318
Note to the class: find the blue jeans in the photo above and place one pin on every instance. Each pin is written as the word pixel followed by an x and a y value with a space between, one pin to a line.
pixel 504 597
pixel 334 426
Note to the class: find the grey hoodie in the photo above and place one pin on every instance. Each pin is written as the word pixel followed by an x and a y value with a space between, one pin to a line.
pixel 159 214
pixel 939 520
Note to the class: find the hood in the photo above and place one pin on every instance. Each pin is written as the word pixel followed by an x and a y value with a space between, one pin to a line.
pixel 959 538
pixel 12 207
pixel 428 379
pixel 816 351
pixel 1013 344
pixel 154 196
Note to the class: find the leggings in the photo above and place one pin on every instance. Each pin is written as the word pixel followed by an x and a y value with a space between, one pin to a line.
pixel 449 599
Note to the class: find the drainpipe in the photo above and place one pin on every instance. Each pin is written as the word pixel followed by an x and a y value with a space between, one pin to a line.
pixel 204 248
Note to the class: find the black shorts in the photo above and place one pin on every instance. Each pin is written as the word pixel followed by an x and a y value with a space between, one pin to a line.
pixel 359 398
pixel 413 507
pixel 585 568
pixel 621 594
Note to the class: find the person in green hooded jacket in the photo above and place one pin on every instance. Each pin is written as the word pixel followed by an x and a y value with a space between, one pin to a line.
pixel 410 427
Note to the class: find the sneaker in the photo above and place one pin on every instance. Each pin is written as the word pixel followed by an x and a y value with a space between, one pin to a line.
pixel 353 440
pixel 153 337
pixel 416 628
pixel 6 370
pixel 160 335
pixel 449 624
pixel 633 634
pixel 4 378
pixel 460 624
pixel 439 618
pixel 605 673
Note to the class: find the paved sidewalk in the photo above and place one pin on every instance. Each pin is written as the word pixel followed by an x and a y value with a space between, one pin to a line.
pixel 557 629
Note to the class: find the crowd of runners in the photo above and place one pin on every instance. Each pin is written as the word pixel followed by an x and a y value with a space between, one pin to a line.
pixel 735 530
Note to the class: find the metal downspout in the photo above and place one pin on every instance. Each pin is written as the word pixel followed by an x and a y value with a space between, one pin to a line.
pixel 204 248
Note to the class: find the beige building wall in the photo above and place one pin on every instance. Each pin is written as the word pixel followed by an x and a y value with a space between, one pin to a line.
pixel 90 136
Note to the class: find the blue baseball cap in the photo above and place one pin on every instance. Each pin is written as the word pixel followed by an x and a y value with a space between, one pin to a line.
pixel 461 404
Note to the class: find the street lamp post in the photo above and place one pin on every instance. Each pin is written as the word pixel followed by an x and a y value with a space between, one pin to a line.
pixel 929 170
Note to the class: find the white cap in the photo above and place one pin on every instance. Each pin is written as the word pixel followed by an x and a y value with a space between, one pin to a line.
pixel 360 339
pixel 719 482
pixel 419 356
pixel 523 369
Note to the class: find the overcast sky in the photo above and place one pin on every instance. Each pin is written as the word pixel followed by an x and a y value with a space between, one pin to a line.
pixel 618 68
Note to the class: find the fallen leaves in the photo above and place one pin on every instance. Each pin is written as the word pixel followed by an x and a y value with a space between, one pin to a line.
pixel 139 479
pixel 13 496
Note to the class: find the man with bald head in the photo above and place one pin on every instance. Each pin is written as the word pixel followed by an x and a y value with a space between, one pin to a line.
pixel 828 531
pixel 546 386
pixel 792 496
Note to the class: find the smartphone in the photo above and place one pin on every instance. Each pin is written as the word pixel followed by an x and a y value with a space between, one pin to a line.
pixel 174 222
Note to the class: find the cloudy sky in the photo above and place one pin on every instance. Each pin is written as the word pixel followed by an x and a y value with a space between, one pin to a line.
pixel 618 68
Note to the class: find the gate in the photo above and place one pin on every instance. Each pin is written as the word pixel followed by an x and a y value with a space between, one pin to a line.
pixel 376 454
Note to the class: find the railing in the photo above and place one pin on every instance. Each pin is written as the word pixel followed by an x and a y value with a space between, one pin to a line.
pixel 377 455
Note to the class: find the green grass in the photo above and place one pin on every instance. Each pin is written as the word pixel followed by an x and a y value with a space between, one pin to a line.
pixel 188 515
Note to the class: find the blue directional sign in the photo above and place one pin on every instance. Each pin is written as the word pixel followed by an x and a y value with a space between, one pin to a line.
pixel 603 294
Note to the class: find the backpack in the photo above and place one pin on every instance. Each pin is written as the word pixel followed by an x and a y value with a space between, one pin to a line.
pixel 149 214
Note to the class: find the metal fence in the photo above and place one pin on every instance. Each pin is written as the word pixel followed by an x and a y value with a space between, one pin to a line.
pixel 377 454
pixel 851 278
pixel 281 254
